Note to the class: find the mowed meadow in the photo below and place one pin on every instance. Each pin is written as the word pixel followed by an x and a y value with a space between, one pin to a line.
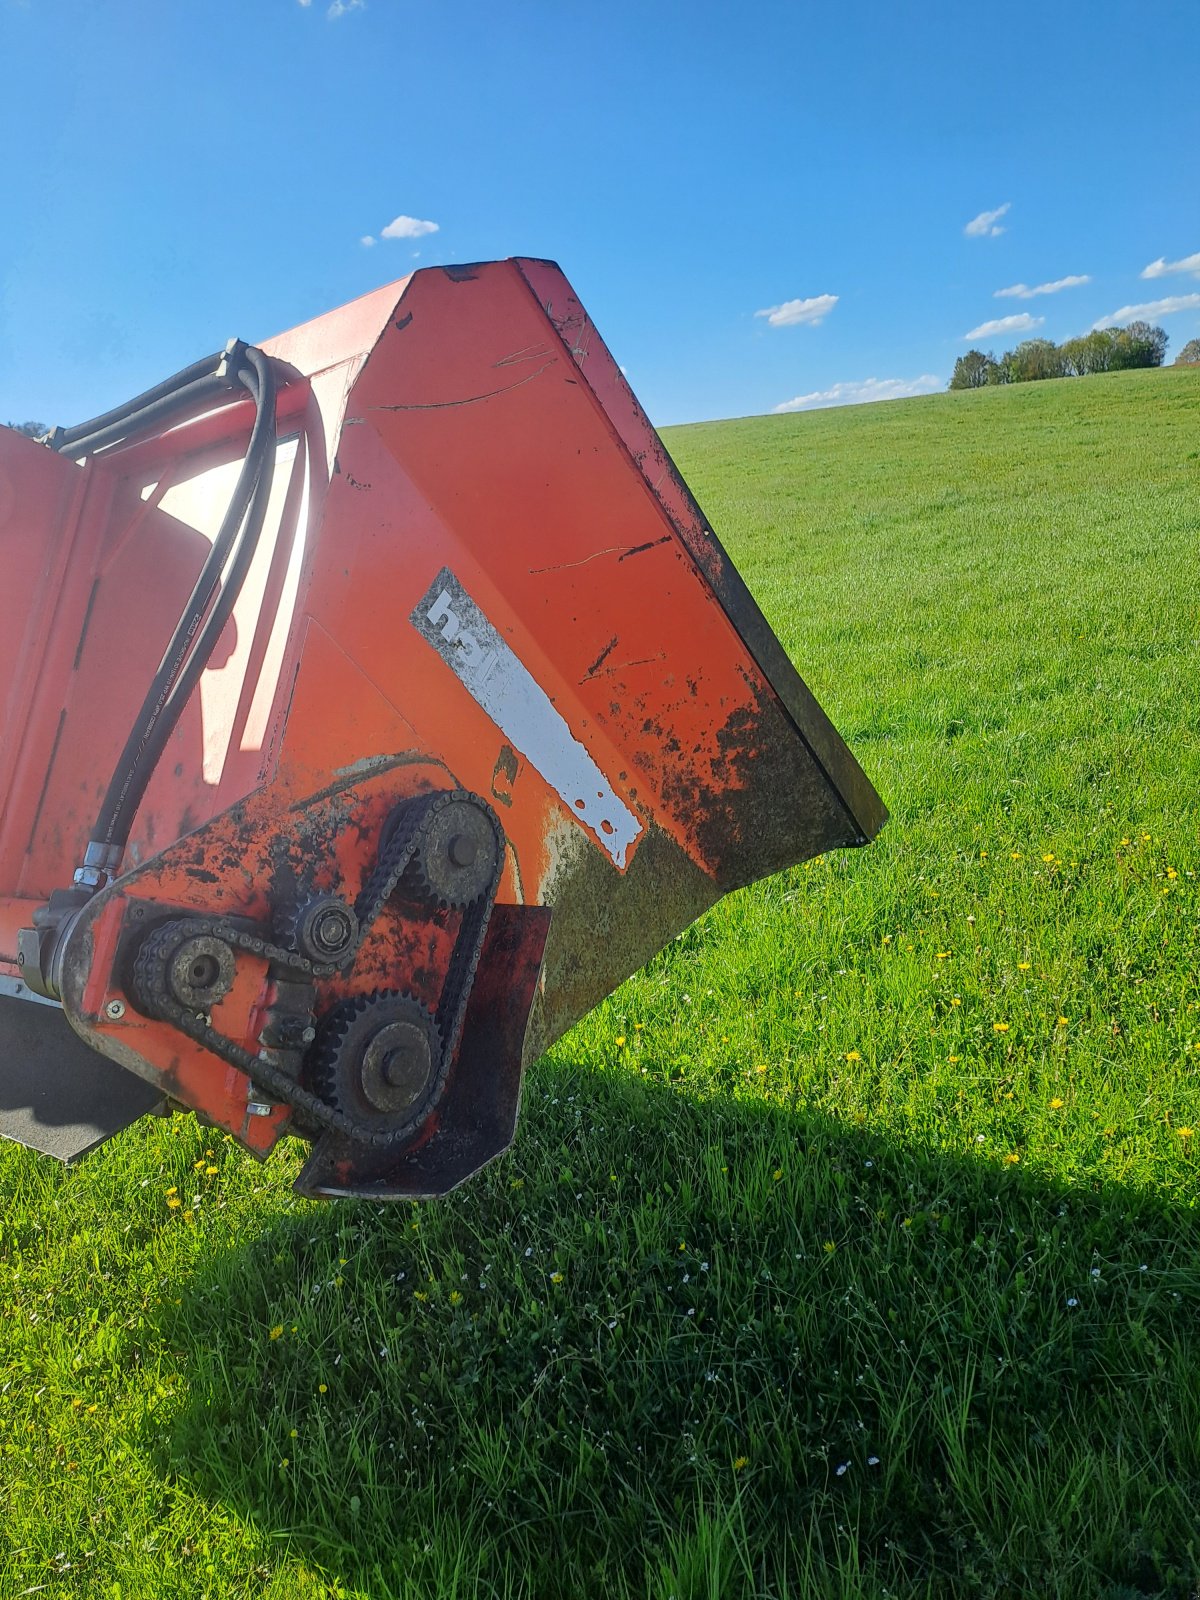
pixel 852 1248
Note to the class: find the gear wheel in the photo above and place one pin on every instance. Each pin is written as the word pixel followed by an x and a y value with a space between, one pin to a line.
pixel 457 851
pixel 324 931
pixel 378 1057
pixel 195 970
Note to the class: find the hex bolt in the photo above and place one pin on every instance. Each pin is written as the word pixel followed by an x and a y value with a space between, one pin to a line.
pixel 115 1010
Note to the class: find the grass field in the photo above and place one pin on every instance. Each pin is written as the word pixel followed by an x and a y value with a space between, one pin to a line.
pixel 852 1249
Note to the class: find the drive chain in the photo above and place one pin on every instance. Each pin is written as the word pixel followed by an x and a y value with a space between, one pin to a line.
pixel 381 883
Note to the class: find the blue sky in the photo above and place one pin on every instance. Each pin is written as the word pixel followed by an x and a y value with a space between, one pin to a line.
pixel 178 171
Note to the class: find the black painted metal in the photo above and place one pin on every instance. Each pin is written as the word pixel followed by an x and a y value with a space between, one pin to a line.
pixel 56 1094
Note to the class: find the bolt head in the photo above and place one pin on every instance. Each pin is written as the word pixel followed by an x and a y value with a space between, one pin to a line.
pixel 115 1010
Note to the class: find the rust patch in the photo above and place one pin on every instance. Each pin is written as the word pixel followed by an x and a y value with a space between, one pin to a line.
pixel 504 775
pixel 637 549
pixel 603 656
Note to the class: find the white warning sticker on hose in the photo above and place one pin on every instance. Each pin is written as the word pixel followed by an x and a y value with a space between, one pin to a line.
pixel 499 682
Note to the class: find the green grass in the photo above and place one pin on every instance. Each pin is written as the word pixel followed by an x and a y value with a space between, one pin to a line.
pixel 829 1186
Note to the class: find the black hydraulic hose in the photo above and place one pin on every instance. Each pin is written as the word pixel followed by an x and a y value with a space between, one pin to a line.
pixel 196 634
pixel 189 398
pixel 198 369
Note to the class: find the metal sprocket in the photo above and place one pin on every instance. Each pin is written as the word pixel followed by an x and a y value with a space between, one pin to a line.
pixel 379 1058
pixel 457 852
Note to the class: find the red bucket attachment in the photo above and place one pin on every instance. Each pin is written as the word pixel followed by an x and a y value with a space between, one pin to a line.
pixel 492 718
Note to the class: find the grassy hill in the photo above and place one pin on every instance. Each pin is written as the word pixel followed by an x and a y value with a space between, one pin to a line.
pixel 853 1248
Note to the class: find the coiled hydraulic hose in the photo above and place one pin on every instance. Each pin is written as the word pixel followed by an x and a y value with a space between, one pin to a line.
pixel 198 387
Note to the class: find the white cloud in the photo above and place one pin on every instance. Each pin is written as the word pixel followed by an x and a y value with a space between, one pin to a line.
pixel 408 228
pixel 793 312
pixel 1022 323
pixel 1022 291
pixel 984 225
pixel 1151 308
pixel 1161 268
pixel 305 3
pixel 857 394
pixel 367 241
pixel 339 8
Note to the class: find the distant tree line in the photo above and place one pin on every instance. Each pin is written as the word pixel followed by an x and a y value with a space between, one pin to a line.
pixel 32 429
pixel 1102 350
pixel 1189 356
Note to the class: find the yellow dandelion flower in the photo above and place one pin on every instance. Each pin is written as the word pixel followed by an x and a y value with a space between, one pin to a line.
pixel 210 1172
pixel 957 1001
pixel 1022 966
pixel 1145 838
pixel 1016 855
pixel 742 1461
pixel 1185 1133
pixel 620 1039
pixel 1011 1159
pixel 943 955
pixel 174 1202
pixel 172 1190
pixel 294 1434
pixel 761 1068
pixel 1056 1104
pixel 276 1332
pixel 999 1027
pixel 683 1244
pixel 1171 873
pixel 1049 856
pixel 639 1027
pixel 556 1277
pixel 322 1388
pixel 777 1174
pixel 953 1059
pixel 887 939
pixel 829 1247
pixel 853 1055
pixel 1062 1022
pixel 455 1297
pixel 285 1462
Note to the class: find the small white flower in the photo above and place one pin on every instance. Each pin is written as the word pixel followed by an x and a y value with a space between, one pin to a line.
pixel 979 1138
pixel 528 1250
pixel 1095 1272
pixel 872 1461
pixel 842 1469
pixel 1071 1300
pixel 691 1311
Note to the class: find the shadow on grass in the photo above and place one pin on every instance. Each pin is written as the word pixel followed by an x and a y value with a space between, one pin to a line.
pixel 681 1346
